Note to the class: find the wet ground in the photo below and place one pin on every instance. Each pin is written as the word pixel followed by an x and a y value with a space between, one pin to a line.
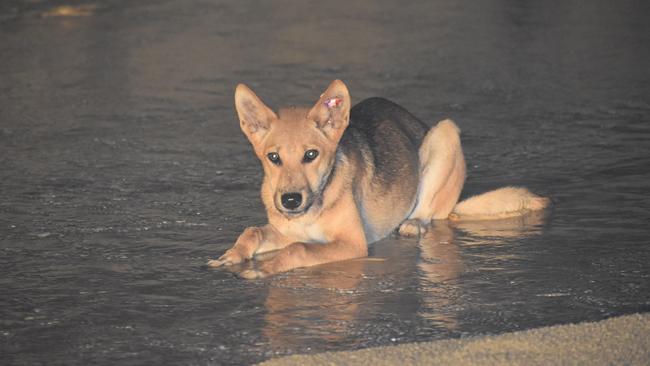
pixel 123 170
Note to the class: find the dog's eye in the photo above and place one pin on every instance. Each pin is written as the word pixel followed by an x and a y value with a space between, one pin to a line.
pixel 274 157
pixel 310 155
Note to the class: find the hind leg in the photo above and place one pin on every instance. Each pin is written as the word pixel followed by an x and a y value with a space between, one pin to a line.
pixel 442 175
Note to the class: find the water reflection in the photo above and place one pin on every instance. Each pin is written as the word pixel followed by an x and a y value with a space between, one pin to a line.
pixel 71 11
pixel 326 306
pixel 439 265
pixel 515 227
pixel 320 304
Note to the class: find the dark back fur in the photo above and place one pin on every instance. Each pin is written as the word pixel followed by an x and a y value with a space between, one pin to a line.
pixel 390 133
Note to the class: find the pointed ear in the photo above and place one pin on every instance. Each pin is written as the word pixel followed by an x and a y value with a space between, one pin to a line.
pixel 332 111
pixel 255 117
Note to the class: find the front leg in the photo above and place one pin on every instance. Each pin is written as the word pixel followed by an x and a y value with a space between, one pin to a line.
pixel 253 240
pixel 308 254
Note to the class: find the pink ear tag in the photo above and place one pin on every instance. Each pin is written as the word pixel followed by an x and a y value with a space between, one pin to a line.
pixel 333 102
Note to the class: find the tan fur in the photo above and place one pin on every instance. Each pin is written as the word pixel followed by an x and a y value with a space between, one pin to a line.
pixel 352 193
pixel 331 231
pixel 441 181
pixel 498 204
pixel 442 175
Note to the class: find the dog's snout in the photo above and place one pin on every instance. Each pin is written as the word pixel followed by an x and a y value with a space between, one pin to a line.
pixel 292 200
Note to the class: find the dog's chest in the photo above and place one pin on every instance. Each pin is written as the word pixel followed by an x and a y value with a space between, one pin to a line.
pixel 307 233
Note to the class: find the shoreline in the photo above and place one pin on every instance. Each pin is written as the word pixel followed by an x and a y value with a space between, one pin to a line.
pixel 619 340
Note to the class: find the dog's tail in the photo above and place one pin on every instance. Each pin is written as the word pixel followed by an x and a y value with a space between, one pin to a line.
pixel 499 204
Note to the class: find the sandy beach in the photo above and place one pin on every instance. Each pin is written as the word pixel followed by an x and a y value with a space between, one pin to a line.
pixel 623 340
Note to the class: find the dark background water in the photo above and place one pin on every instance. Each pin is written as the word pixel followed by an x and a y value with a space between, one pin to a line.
pixel 123 170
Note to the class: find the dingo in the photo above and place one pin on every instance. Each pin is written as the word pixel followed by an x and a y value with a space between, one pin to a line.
pixel 337 178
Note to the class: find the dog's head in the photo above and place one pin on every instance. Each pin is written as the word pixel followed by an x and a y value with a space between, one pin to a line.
pixel 298 147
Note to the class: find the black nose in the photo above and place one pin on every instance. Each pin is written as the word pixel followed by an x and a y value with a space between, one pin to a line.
pixel 291 201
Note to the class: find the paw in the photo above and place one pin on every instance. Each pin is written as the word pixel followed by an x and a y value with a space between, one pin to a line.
pixel 229 258
pixel 413 227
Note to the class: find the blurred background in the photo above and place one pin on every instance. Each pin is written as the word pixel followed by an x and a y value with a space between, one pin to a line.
pixel 123 170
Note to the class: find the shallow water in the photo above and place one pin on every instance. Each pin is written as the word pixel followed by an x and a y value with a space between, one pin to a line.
pixel 123 170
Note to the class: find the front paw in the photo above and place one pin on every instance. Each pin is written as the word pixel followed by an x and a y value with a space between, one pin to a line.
pixel 413 227
pixel 230 257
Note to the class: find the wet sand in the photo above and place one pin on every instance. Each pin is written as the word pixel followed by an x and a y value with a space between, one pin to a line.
pixel 623 340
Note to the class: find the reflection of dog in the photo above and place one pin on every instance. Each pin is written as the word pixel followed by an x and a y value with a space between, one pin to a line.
pixel 322 304
pixel 337 178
